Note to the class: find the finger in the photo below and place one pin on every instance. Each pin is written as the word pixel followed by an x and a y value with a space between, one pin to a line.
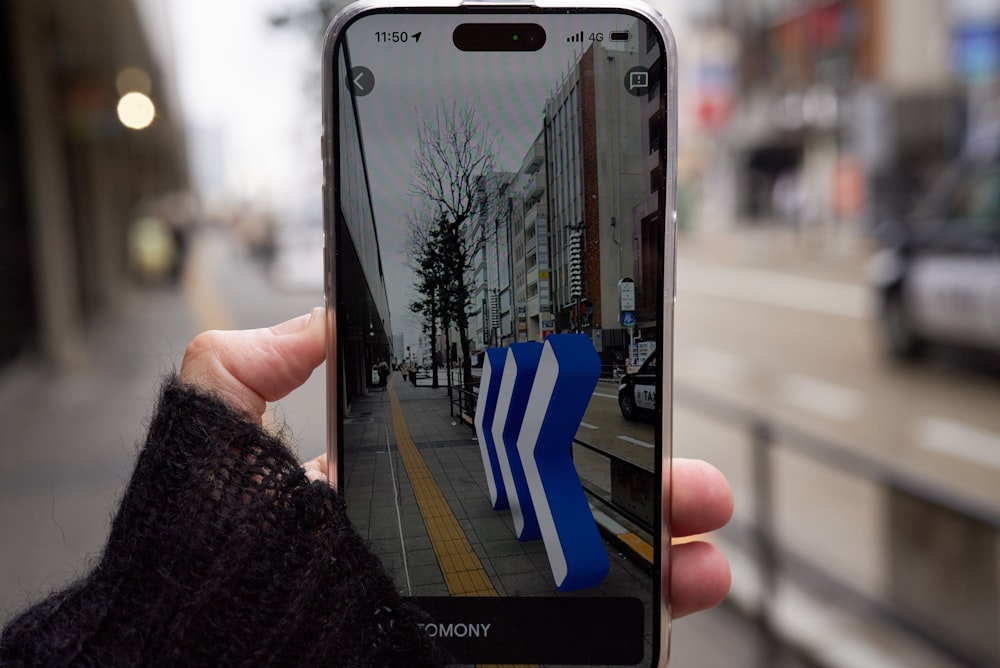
pixel 702 498
pixel 248 368
pixel 699 578
pixel 316 468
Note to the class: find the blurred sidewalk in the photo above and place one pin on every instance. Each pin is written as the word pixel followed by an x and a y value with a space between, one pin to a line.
pixel 747 259
pixel 70 441
pixel 836 254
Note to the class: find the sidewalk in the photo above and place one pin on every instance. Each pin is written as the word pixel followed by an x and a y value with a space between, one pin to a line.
pixel 416 489
pixel 70 442
pixel 840 256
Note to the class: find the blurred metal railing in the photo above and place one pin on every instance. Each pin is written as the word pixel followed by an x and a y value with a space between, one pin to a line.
pixel 765 435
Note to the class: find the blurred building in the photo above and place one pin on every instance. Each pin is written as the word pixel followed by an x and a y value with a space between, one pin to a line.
pixel 488 275
pixel 398 349
pixel 647 231
pixel 529 244
pixel 824 115
pixel 72 176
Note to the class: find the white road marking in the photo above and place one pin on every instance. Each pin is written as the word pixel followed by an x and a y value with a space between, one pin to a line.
pixel 606 396
pixel 957 439
pixel 710 364
pixel 821 397
pixel 587 425
pixel 635 441
pixel 775 289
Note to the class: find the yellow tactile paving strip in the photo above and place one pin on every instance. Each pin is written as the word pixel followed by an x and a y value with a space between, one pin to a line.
pixel 463 573
pixel 638 545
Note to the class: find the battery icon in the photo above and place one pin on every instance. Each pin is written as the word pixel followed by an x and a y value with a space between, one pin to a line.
pixel 619 36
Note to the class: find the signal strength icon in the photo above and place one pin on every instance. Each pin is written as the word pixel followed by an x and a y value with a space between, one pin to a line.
pixel 578 37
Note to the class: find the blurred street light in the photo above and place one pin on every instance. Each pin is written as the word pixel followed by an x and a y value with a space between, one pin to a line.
pixel 136 111
pixel 133 80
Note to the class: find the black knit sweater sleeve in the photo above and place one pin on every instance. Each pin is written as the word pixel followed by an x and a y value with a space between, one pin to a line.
pixel 222 553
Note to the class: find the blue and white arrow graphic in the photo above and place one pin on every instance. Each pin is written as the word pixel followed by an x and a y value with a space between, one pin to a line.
pixel 486 406
pixel 540 402
pixel 512 401
pixel 564 383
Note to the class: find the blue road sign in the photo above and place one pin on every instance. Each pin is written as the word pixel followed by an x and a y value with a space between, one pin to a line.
pixel 976 51
pixel 628 318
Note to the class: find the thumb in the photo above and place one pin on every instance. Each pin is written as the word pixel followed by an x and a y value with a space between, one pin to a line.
pixel 248 368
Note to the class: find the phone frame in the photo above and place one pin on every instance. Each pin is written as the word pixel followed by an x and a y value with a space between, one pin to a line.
pixel 668 83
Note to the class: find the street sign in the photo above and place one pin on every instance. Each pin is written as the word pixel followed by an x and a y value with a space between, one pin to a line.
pixel 628 318
pixel 626 294
pixel 548 327
pixel 976 51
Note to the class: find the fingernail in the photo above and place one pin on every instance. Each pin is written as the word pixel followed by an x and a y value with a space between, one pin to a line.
pixel 313 475
pixel 293 326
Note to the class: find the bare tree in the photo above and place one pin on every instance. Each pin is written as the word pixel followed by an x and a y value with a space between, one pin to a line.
pixel 454 168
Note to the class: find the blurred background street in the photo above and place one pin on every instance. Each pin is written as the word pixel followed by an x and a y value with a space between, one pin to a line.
pixel 837 349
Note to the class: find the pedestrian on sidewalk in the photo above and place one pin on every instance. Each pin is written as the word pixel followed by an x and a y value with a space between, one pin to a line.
pixel 383 374
pixel 226 551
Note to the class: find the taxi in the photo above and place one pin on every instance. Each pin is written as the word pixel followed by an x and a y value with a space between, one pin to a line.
pixel 938 276
pixel 637 391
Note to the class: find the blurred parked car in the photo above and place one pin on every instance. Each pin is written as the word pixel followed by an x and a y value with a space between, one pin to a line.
pixel 637 391
pixel 938 274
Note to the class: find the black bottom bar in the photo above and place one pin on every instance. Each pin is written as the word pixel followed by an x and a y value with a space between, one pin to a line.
pixel 570 630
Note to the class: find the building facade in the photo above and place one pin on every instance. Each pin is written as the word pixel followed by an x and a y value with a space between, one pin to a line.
pixel 529 244
pixel 597 169
pixel 72 177
pixel 838 111
pixel 591 177
pixel 488 275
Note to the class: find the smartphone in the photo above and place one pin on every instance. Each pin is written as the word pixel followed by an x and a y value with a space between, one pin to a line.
pixel 499 198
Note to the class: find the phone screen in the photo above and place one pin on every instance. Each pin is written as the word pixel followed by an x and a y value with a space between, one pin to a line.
pixel 500 258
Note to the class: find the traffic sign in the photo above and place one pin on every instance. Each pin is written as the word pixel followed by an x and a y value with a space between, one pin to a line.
pixel 626 294
pixel 628 318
